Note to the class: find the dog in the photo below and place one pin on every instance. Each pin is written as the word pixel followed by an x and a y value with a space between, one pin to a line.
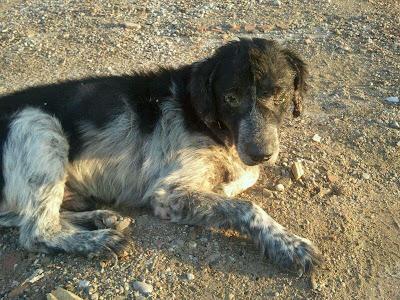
pixel 183 142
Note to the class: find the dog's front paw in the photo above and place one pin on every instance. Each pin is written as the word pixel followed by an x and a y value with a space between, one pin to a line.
pixel 294 253
pixel 109 243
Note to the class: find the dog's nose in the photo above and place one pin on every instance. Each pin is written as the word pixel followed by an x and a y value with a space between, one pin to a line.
pixel 257 154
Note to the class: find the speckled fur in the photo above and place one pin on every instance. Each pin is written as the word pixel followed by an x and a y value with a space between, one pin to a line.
pixel 183 175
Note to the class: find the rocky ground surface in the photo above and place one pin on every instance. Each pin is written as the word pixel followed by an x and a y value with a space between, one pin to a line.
pixel 347 202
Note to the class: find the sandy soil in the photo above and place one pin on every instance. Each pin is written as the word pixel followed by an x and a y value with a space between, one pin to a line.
pixel 348 201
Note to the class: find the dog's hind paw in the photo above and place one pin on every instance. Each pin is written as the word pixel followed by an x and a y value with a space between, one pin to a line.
pixel 112 220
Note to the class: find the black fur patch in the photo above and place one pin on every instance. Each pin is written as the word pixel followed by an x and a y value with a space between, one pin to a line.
pixel 4 128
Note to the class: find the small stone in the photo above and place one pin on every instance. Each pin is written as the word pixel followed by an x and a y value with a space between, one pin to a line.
pixel 249 27
pixel 395 125
pixel 276 2
pixel 192 245
pixel 142 287
pixel 188 276
pixel 280 187
pixel 297 170
pixel 62 294
pixel 316 138
pixel 84 285
pixel 331 177
pixel 398 144
pixel 265 27
pixel 392 100
pixel 234 27
pixel 37 275
pixel 126 286
pixel 366 176
pixel 132 25
pixel 205 240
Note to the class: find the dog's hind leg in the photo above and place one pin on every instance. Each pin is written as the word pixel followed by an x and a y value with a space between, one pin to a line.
pixel 35 160
pixel 97 219
pixel 208 209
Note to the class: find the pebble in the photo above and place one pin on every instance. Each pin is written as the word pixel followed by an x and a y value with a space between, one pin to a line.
pixel 395 125
pixel 280 187
pixel 297 170
pixel 132 25
pixel 142 287
pixel 366 176
pixel 36 276
pixel 62 294
pixel 188 276
pixel 392 99
pixel 249 28
pixel 192 245
pixel 398 144
pixel 316 138
pixel 276 2
pixel 331 177
pixel 205 240
pixel 84 285
pixel 126 286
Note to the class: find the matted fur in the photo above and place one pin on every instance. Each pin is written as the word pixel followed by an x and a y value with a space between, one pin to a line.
pixel 184 142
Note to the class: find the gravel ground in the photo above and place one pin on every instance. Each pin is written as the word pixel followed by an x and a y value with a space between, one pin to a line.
pixel 347 202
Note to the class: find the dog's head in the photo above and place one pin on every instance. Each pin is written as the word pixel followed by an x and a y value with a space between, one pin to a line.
pixel 242 92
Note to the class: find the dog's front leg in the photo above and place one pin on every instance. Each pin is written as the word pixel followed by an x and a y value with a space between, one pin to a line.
pixel 208 209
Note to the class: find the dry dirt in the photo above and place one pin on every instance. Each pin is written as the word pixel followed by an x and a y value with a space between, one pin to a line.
pixel 348 201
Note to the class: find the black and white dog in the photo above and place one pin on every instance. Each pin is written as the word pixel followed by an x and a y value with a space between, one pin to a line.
pixel 183 142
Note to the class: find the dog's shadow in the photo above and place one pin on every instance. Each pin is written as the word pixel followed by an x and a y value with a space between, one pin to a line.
pixel 220 252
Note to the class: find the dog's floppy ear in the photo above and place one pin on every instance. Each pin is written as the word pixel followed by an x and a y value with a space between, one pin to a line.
pixel 299 83
pixel 203 100
pixel 201 92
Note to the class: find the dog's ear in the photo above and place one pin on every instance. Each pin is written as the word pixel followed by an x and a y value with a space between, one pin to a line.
pixel 201 91
pixel 299 83
pixel 203 99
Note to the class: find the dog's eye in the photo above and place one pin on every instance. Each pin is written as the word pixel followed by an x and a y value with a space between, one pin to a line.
pixel 231 100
